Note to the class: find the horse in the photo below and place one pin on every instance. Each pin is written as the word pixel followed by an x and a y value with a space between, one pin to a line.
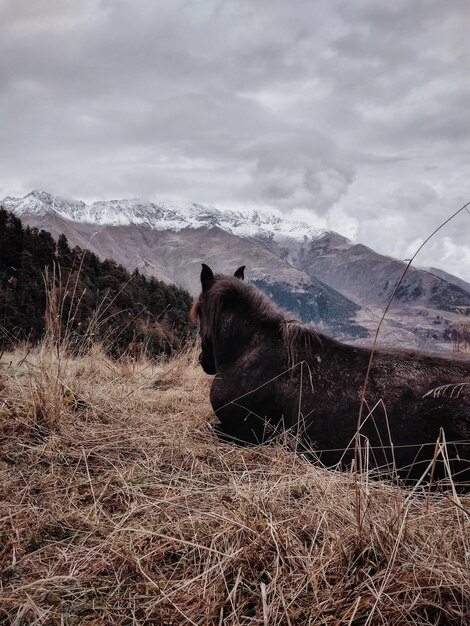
pixel 274 374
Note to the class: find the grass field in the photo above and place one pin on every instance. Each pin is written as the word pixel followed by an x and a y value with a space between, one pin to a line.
pixel 119 506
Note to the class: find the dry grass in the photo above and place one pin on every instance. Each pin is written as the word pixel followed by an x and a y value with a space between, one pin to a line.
pixel 121 507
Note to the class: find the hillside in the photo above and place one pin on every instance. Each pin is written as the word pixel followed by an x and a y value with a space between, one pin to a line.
pixel 124 508
pixel 344 266
pixel 463 284
pixel 48 287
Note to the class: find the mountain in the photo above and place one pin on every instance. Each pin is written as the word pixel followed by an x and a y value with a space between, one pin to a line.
pixel 171 240
pixel 370 278
pixel 155 237
pixel 450 278
pixel 173 216
pixel 319 275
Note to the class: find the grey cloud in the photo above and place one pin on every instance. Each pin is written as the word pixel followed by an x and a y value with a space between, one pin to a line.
pixel 300 171
pixel 355 111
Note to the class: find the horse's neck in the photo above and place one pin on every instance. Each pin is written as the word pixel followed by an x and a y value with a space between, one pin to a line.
pixel 234 337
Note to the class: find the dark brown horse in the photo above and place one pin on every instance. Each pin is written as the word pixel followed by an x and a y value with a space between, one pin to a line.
pixel 273 373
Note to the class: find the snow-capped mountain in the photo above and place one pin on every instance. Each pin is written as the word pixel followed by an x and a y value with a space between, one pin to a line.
pixel 173 216
pixel 42 203
pixel 320 276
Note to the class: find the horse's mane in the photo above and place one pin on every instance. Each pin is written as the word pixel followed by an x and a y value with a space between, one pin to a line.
pixel 228 290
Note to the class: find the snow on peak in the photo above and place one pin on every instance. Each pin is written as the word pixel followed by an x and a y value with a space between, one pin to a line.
pixel 163 216
pixel 42 203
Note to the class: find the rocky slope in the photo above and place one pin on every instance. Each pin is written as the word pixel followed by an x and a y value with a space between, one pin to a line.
pixel 453 280
pixel 370 278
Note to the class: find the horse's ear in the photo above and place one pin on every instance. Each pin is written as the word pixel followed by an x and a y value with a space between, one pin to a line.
pixel 207 276
pixel 240 273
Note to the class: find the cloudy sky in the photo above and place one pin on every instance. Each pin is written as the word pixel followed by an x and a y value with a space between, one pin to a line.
pixel 352 114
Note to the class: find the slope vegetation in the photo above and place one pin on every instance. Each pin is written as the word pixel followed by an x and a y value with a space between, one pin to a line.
pixel 47 286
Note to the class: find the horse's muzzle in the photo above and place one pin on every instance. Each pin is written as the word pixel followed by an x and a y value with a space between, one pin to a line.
pixel 207 364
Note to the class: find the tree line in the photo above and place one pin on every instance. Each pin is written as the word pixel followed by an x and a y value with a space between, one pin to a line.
pixel 48 287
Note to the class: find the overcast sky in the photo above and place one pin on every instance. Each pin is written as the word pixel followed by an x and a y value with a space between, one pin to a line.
pixel 355 114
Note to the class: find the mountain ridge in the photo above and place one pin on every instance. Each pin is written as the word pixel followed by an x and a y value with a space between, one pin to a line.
pixel 300 267
pixel 161 215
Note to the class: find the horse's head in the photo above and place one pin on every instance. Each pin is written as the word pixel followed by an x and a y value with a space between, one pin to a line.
pixel 204 315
